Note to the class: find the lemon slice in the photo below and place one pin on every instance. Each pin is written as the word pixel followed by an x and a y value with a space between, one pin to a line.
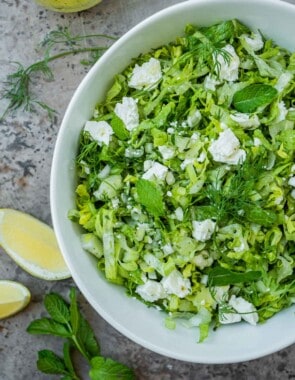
pixel 32 245
pixel 13 298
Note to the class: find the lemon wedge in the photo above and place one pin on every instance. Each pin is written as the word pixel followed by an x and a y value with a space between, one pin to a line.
pixel 13 298
pixel 32 245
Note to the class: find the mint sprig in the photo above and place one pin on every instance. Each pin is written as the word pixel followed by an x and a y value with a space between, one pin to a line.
pixel 67 322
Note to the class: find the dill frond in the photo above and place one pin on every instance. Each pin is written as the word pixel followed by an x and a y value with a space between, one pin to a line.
pixel 17 89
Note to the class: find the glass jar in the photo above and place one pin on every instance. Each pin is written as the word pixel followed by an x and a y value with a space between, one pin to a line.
pixel 67 5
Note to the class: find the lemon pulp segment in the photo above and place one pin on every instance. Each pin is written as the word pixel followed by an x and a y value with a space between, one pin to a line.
pixel 13 298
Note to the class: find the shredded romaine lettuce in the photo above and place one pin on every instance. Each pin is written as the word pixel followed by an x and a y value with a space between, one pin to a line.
pixel 186 178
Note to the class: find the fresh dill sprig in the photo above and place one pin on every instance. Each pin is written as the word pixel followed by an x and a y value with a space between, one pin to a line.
pixel 231 200
pixel 17 86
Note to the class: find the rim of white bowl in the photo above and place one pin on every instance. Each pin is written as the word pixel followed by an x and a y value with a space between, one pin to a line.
pixel 287 341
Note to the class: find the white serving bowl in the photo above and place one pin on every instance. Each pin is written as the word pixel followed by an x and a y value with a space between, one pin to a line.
pixel 231 343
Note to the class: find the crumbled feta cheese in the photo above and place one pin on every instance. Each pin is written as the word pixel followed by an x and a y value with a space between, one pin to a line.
pixel 170 178
pixel 254 42
pixel 170 130
pixel 169 194
pixel 203 260
pixel 115 202
pixel 100 131
pixel 283 80
pixel 220 293
pixel 127 111
pixel 194 119
pixel 228 318
pixel 245 120
pixel 247 309
pixel 134 153
pixel 195 136
pixel 202 157
pixel 104 172
pixel 176 284
pixel 293 193
pixel 211 82
pixel 228 69
pixel 203 230
pixel 167 249
pixel 282 112
pixel 166 151
pixel 278 200
pixel 146 75
pixel 204 279
pixel 151 291
pixel 186 162
pixel 179 214
pixel 226 148
pixel 156 171
pixel 243 245
pixel 291 181
pixel 257 141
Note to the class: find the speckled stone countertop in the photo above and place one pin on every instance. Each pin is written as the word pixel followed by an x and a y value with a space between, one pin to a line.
pixel 26 148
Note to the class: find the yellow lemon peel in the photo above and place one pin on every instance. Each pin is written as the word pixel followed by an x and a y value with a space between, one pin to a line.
pixel 32 245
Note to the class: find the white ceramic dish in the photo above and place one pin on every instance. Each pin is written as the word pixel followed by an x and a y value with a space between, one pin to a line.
pixel 145 326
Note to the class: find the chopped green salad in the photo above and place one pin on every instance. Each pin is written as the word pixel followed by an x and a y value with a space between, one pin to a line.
pixel 186 178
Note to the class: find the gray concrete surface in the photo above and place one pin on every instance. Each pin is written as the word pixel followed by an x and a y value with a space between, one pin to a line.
pixel 26 148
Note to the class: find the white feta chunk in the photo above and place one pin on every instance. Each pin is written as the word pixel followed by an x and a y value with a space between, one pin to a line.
pixel 156 171
pixel 187 161
pixel 203 230
pixel 127 111
pixel 220 293
pixel 151 291
pixel 228 69
pixel 282 112
pixel 202 157
pixel 100 131
pixel 257 141
pixel 166 151
pixel 194 119
pixel 170 178
pixel 226 149
pixel 146 75
pixel 291 181
pixel 167 249
pixel 211 82
pixel 283 81
pixel 203 260
pixel 179 214
pixel 293 193
pixel 245 120
pixel 254 42
pixel 247 309
pixel 176 284
pixel 228 318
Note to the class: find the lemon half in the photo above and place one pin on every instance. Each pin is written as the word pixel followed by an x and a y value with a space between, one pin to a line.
pixel 13 298
pixel 32 245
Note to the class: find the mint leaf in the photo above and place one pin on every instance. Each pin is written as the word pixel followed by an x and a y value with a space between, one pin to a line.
pixel 48 326
pixel 150 196
pixel 49 362
pixel 57 308
pixel 67 358
pixel 119 128
pixel 251 97
pixel 257 215
pixel 74 312
pixel 219 276
pixel 87 337
pixel 108 369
